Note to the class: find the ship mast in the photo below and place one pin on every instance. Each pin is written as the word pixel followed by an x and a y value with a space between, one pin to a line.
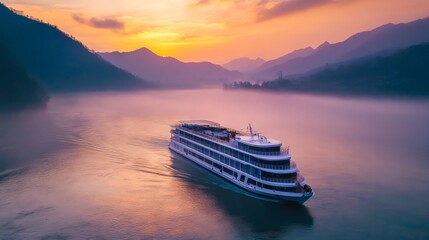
pixel 251 131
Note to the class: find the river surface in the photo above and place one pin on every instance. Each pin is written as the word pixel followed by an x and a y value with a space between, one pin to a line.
pixel 97 166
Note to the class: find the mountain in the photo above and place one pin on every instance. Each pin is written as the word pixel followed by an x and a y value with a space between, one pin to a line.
pixel 386 38
pixel 170 72
pixel 405 72
pixel 303 52
pixel 244 64
pixel 56 60
pixel 17 89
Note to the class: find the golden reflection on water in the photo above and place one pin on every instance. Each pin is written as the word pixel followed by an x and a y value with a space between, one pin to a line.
pixel 113 176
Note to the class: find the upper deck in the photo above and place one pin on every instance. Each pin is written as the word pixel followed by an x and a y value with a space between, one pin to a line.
pixel 248 142
pixel 258 141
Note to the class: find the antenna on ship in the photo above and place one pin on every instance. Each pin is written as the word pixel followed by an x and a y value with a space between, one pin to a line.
pixel 251 130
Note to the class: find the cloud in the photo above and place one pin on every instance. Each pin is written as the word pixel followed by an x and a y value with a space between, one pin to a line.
pixel 269 10
pixel 106 23
pixel 253 11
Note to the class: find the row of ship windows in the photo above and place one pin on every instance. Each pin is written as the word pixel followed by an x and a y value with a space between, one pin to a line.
pixel 226 160
pixel 235 175
pixel 232 152
pixel 276 177
pixel 283 189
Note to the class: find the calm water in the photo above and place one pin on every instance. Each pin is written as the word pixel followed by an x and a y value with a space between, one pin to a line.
pixel 97 166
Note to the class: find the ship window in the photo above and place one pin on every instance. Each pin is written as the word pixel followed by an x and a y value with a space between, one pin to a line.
pixel 265 149
pixel 217 166
pixel 242 177
pixel 274 187
pixel 227 170
pixel 208 161
pixel 234 153
pixel 251 181
pixel 249 169
pixel 278 175
pixel 276 163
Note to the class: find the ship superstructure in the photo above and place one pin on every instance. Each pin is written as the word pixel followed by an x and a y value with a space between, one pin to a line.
pixel 251 161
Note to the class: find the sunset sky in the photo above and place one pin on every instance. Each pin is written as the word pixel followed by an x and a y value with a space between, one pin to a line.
pixel 217 30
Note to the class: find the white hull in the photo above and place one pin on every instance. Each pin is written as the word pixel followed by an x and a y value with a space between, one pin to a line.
pixel 287 197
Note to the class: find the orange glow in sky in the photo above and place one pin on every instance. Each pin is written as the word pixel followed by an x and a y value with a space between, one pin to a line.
pixel 217 30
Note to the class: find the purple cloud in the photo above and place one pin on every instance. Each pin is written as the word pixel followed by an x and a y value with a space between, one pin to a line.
pixel 107 23
pixel 288 7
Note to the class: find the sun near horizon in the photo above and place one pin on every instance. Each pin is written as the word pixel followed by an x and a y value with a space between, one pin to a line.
pixel 217 30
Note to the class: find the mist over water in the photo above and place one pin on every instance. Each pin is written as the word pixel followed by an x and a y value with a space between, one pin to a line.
pixel 97 166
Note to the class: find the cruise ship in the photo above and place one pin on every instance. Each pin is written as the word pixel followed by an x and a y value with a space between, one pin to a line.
pixel 260 165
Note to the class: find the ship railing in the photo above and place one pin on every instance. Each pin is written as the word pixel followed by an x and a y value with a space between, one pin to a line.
pixel 207 136
pixel 280 180
pixel 238 132
pixel 283 151
pixel 292 165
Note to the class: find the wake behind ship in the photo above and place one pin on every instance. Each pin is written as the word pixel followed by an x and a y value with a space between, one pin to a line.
pixel 253 162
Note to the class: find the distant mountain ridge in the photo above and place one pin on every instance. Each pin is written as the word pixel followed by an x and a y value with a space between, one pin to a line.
pixel 169 72
pixel 303 52
pixel 244 64
pixel 404 72
pixel 56 60
pixel 388 37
